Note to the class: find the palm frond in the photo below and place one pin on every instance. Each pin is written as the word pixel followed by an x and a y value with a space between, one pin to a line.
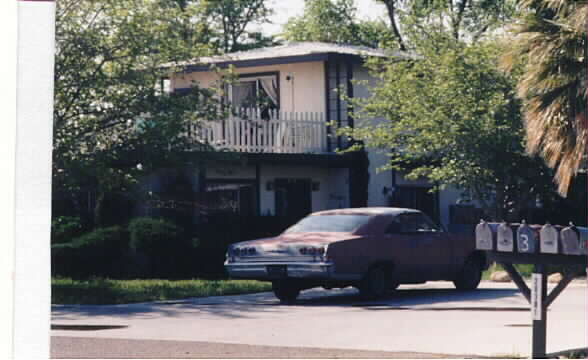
pixel 552 40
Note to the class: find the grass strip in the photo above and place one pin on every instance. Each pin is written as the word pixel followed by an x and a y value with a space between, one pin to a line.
pixel 526 270
pixel 100 291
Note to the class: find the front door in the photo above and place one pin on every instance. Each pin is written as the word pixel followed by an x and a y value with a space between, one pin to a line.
pixel 293 198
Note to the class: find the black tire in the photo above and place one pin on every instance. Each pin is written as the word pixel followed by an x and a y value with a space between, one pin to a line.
pixel 470 275
pixel 285 291
pixel 375 284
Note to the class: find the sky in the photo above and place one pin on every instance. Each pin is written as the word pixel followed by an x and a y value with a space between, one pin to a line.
pixel 284 9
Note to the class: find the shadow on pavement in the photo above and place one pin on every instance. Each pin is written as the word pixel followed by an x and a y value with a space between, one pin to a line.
pixel 250 306
pixel 407 298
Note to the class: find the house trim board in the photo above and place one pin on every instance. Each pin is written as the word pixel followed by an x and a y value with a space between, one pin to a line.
pixel 272 61
pixel 338 84
pixel 327 105
pixel 350 120
pixel 323 160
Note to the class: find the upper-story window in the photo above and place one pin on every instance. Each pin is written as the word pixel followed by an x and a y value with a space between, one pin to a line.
pixel 256 91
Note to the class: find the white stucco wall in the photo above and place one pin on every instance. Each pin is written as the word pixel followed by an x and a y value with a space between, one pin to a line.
pixel 380 182
pixel 305 91
pixel 447 197
pixel 378 179
pixel 337 187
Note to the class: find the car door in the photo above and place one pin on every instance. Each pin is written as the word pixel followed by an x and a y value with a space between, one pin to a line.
pixel 420 246
pixel 402 240
pixel 435 248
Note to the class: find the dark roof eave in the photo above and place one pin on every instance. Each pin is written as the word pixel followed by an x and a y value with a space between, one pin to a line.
pixel 274 61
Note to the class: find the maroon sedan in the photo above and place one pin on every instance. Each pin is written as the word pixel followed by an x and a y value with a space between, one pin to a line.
pixel 373 249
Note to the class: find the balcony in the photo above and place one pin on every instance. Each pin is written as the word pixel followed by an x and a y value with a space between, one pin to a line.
pixel 275 132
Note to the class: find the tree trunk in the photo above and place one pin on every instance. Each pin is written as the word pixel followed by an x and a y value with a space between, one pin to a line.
pixel 391 7
pixel 98 208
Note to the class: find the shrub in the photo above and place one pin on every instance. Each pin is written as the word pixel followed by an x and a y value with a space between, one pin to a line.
pixel 102 252
pixel 65 228
pixel 159 248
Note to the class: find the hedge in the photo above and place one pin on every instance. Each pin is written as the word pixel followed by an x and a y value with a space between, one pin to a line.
pixel 160 249
pixel 102 252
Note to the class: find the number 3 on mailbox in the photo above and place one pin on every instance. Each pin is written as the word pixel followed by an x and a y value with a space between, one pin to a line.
pixel 526 239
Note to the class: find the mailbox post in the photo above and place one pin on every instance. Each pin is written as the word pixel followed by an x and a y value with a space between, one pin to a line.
pixel 541 246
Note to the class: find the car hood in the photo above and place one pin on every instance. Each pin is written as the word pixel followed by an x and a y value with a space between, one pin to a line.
pixel 308 238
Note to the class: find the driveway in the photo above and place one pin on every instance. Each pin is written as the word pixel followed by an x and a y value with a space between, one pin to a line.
pixel 433 318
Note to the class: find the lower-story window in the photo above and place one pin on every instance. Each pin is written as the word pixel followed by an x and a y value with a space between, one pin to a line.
pixel 239 197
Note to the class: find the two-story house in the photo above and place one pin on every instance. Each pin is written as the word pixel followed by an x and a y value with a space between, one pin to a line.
pixel 283 97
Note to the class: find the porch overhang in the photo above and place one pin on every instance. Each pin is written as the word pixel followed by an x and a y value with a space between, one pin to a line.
pixel 273 61
pixel 323 160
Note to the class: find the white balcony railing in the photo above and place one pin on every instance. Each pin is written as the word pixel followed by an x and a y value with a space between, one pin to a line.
pixel 277 132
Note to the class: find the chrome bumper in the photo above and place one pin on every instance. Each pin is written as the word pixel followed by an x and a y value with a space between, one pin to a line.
pixel 256 270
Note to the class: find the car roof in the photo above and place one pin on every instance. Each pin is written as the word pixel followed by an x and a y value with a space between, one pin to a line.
pixel 372 211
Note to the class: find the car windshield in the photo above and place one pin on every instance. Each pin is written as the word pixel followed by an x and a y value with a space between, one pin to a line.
pixel 329 223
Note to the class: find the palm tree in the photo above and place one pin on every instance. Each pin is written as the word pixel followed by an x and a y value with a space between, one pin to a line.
pixel 551 38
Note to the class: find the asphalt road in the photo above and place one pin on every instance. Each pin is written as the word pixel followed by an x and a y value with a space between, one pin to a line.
pixel 421 321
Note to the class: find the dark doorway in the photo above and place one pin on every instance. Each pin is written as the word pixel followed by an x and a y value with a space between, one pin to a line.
pixel 293 198
pixel 415 197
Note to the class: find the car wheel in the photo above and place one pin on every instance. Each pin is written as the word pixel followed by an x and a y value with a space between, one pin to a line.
pixel 286 291
pixel 470 275
pixel 375 284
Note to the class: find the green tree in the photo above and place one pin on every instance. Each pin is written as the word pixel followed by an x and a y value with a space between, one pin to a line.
pixel 110 104
pixel 462 19
pixel 550 45
pixel 335 21
pixel 231 19
pixel 451 117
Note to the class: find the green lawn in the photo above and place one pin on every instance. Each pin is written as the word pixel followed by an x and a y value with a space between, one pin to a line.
pixel 100 291
pixel 524 269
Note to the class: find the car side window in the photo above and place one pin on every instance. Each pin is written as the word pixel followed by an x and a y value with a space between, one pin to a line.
pixel 402 224
pixel 424 224
pixel 411 223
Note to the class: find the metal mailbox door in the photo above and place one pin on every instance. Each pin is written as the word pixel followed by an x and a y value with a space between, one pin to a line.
pixel 570 242
pixel 504 238
pixel 548 238
pixel 483 236
pixel 526 239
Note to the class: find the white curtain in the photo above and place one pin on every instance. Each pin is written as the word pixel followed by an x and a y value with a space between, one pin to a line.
pixel 270 87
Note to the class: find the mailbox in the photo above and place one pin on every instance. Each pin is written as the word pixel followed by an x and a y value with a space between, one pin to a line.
pixel 570 241
pixel 548 239
pixel 504 238
pixel 583 238
pixel 526 239
pixel 541 246
pixel 484 236
pixel 531 239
